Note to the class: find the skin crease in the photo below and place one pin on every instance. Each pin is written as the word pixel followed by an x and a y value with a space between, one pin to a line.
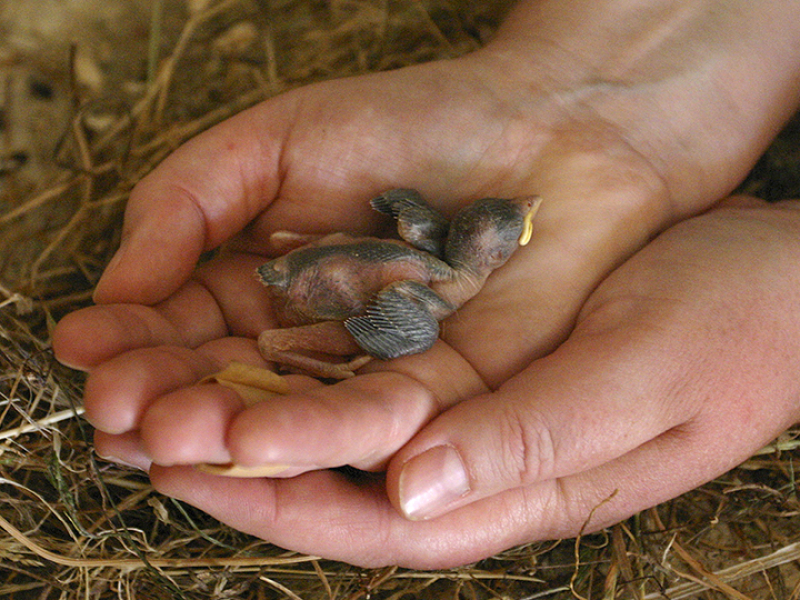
pixel 645 341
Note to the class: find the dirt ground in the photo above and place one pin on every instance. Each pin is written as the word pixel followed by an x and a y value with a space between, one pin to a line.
pixel 93 94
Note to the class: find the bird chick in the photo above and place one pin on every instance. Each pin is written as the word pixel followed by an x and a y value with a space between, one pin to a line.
pixel 344 296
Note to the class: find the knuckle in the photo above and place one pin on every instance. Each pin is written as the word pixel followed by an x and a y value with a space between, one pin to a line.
pixel 529 451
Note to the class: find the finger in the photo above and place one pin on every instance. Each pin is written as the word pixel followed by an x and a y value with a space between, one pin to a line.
pixel 188 425
pixel 201 195
pixel 90 336
pixel 337 517
pixel 154 394
pixel 328 514
pixel 86 338
pixel 358 422
pixel 321 513
pixel 148 406
pixel 586 404
pixel 118 391
pixel 124 448
pixel 222 298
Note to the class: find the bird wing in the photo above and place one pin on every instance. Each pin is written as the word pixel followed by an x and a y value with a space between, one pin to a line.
pixel 402 319
pixel 417 223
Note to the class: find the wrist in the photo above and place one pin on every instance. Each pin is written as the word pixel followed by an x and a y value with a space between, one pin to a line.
pixel 698 89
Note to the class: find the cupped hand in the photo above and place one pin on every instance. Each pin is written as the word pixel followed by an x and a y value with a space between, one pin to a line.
pixel 681 365
pixel 490 438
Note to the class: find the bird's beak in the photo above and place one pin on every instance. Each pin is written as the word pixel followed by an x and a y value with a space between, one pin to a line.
pixel 533 203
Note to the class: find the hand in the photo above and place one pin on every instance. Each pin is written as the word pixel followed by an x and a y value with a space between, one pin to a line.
pixel 682 364
pixel 308 161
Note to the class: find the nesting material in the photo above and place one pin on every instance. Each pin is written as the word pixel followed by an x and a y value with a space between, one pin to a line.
pixel 253 384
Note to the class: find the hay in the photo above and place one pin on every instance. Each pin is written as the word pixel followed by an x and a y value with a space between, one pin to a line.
pixel 76 527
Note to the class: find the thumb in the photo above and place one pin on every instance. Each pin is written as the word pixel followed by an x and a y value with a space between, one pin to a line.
pixel 593 400
pixel 694 335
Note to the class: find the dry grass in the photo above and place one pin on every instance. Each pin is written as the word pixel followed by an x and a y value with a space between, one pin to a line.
pixel 76 527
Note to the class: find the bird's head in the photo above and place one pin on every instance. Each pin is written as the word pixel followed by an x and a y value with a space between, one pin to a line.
pixel 484 235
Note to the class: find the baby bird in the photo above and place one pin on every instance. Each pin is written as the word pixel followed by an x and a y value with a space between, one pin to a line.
pixel 343 296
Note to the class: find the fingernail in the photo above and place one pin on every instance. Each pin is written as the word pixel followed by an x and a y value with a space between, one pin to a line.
pixel 432 481
pixel 110 267
pixel 135 462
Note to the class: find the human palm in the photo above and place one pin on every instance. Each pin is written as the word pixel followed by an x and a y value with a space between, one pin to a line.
pixel 308 162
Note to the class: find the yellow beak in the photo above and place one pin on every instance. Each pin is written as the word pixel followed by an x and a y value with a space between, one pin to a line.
pixel 527 222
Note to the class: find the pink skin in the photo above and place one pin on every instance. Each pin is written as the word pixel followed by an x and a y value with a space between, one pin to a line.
pixel 595 360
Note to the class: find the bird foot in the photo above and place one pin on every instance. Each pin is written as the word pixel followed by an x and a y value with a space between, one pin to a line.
pixel 313 350
pixel 315 367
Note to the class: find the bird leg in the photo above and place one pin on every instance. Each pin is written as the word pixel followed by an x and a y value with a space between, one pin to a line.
pixel 283 242
pixel 297 347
